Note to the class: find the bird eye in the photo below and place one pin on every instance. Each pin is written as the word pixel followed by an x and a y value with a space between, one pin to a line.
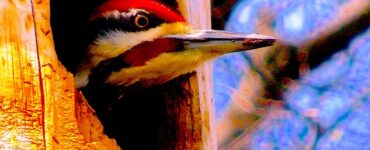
pixel 141 21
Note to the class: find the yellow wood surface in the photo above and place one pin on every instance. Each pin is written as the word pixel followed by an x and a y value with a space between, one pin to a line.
pixel 21 116
pixel 38 108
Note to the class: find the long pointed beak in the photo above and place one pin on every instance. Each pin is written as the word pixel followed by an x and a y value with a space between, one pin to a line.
pixel 221 41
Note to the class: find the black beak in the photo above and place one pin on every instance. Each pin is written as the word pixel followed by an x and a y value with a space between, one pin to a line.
pixel 222 42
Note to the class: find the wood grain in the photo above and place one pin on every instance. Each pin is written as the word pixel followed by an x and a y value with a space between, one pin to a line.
pixel 21 109
pixel 198 13
pixel 39 108
pixel 70 123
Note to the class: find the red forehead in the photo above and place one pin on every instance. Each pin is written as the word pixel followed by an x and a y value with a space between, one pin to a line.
pixel 152 6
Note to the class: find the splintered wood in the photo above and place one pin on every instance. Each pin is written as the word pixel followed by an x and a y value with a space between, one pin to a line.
pixel 38 109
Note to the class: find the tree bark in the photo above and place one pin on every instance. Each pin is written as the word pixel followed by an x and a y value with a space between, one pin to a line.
pixel 39 108
pixel 198 13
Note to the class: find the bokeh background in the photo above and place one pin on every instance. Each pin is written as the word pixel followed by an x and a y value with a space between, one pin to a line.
pixel 309 91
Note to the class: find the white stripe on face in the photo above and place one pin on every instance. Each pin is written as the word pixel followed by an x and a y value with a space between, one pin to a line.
pixel 117 14
pixel 115 43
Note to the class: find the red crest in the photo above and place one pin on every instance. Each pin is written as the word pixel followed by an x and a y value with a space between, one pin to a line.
pixel 153 6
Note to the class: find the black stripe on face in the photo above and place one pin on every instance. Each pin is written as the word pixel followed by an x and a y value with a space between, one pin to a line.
pixel 100 74
pixel 100 94
pixel 124 22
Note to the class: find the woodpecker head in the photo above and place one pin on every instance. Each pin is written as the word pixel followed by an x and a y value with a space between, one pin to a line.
pixel 146 43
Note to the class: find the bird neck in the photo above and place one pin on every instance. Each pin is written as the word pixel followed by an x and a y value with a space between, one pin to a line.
pixel 134 116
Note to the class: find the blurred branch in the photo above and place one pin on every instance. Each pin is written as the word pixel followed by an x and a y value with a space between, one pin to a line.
pixel 220 12
pixel 282 64
pixel 353 19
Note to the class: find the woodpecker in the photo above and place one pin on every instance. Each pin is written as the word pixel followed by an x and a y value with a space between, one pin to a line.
pixel 133 50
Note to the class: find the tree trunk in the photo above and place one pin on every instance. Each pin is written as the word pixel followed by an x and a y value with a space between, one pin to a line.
pixel 38 108
pixel 198 13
